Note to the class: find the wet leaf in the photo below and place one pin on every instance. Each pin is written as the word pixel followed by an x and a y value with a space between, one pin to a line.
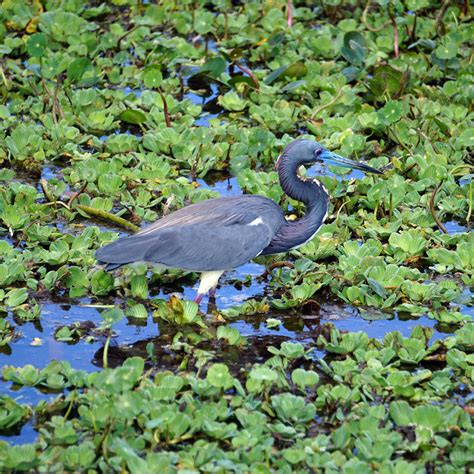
pixel 132 116
pixel 112 316
pixel 77 69
pixel 218 376
pixel 304 378
pixel 36 45
pixel 152 77
pixel 354 48
pixel 16 297
pixel 137 311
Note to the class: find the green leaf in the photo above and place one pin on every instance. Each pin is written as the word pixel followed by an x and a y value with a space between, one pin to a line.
pixel 447 51
pixel 304 378
pixel 132 116
pixel 218 376
pixel 16 297
pixel 152 77
pixel 401 413
pixel 377 287
pixel 12 413
pixel 295 70
pixel 466 138
pixel 275 74
pixel 101 282
pixel 263 374
pixel 354 48
pixel 232 102
pixel 139 286
pixel 77 68
pixel 385 80
pixel 292 408
pixel 428 416
pixel 36 45
pixel 137 311
pixel 112 316
pixel 391 112
pixel 214 67
pixel 273 323
pixel 231 335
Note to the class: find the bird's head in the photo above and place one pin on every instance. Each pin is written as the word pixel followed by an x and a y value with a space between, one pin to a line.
pixel 309 152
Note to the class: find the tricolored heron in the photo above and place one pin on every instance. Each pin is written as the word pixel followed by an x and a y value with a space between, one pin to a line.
pixel 223 233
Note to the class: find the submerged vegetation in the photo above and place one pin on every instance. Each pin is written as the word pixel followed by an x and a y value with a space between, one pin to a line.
pixel 116 113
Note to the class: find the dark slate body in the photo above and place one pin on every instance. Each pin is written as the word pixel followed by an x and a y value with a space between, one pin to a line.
pixel 224 233
pixel 216 234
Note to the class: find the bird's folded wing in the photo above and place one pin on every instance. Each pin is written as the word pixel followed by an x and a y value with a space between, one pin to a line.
pixel 194 247
pixel 204 248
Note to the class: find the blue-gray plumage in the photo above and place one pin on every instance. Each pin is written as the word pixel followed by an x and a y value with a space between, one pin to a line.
pixel 220 234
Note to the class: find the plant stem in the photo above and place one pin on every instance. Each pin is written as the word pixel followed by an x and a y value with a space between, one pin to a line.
pixel 165 108
pixel 433 211
pixel 44 187
pixel 101 214
pixel 105 359
pixel 328 104
pixel 4 78
pixel 395 33
pixel 469 212
pixel 364 20
pixel 249 73
pixel 76 195
pixel 279 264
pixel 439 17
pixel 131 30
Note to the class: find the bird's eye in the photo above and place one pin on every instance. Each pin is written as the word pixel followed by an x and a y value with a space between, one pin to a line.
pixel 317 152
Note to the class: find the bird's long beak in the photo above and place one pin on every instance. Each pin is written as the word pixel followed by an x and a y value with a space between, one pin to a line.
pixel 334 159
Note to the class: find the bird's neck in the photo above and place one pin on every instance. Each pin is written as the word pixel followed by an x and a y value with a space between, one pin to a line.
pixel 308 191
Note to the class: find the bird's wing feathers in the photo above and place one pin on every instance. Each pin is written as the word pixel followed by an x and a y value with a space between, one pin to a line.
pixel 217 234
pixel 205 248
pixel 222 211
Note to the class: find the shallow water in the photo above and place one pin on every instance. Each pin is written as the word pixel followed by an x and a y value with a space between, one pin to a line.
pixel 454 227
pixel 208 102
pixel 132 336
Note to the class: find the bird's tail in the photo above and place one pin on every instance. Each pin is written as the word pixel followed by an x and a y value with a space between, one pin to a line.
pixel 122 251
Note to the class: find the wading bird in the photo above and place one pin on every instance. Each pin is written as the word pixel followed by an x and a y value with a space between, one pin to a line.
pixel 220 234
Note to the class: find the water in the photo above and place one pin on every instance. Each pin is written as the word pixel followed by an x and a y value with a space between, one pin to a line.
pixel 136 92
pixel 207 99
pixel 132 336
pixel 454 227
pixel 224 185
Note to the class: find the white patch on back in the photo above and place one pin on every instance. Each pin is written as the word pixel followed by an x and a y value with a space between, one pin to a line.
pixel 256 221
pixel 209 280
